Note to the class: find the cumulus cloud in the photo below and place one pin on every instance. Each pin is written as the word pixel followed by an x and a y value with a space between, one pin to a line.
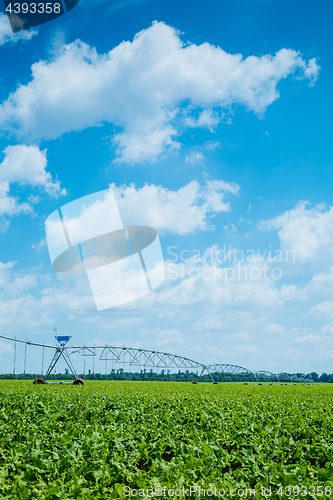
pixel 311 338
pixel 321 312
pixel 213 322
pixel 274 328
pixel 31 298
pixel 194 157
pixel 207 119
pixel 8 37
pixel 207 283
pixel 10 205
pixel 183 211
pixel 201 313
pixel 311 71
pixel 307 231
pixel 40 245
pixel 140 86
pixel 24 165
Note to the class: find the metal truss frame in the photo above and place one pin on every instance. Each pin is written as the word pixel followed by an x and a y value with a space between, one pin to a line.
pixel 227 369
pixel 266 376
pixel 146 358
pixel 60 351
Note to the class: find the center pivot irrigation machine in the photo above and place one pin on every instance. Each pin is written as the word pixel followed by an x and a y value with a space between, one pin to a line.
pixel 137 360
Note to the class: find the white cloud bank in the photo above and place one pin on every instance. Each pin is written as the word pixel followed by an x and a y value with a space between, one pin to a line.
pixel 139 87
pixel 6 34
pixel 184 211
pixel 24 165
pixel 32 298
pixel 307 231
pixel 232 322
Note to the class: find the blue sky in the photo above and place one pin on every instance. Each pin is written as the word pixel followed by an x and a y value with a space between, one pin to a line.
pixel 223 112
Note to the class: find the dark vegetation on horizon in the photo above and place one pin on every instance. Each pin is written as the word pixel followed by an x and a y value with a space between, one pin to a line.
pixel 164 376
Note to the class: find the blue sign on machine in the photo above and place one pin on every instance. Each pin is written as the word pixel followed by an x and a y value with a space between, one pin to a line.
pixel 63 339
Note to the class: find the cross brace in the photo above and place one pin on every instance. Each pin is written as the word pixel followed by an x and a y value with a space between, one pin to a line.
pixel 60 352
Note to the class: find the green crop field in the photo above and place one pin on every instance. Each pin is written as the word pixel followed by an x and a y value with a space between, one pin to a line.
pixel 112 439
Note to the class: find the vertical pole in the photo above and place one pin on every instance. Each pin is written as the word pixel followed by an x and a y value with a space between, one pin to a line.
pixel 14 357
pixel 43 361
pixel 94 363
pixel 84 365
pixel 25 358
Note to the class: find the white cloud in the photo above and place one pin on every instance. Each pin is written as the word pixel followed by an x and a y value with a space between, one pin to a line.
pixel 183 211
pixel 311 71
pixel 24 165
pixel 322 312
pixel 311 338
pixel 207 119
pixel 139 86
pixel 40 245
pixel 9 205
pixel 274 328
pixel 203 283
pixel 31 298
pixel 307 231
pixel 203 318
pixel 6 34
pixel 230 228
pixel 327 329
pixel 4 272
pixel 194 157
pixel 213 322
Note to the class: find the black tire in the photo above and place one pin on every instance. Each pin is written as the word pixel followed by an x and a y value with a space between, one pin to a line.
pixel 78 381
pixel 39 381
